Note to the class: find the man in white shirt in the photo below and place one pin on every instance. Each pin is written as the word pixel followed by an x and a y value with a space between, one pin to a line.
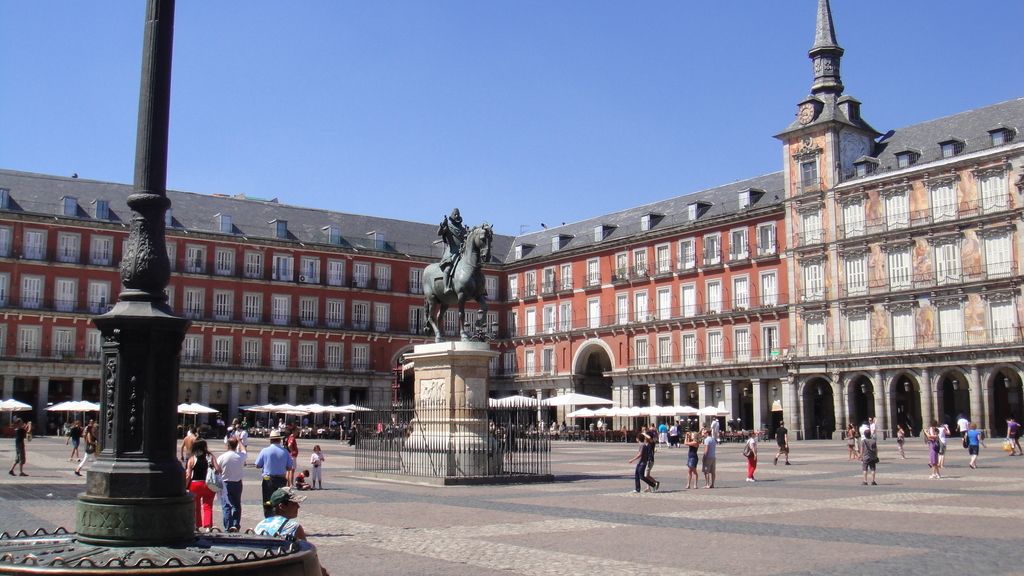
pixel 962 424
pixel 231 465
pixel 943 435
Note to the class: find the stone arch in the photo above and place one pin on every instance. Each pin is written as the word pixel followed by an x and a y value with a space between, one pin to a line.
pixel 861 391
pixel 1006 395
pixel 407 380
pixel 952 395
pixel 588 347
pixel 904 388
pixel 592 360
pixel 817 395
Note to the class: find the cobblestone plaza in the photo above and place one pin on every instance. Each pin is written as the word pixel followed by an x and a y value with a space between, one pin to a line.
pixel 813 517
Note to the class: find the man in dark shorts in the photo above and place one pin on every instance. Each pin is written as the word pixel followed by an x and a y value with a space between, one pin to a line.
pixel 782 438
pixel 20 434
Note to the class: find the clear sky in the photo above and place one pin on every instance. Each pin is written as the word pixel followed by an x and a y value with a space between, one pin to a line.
pixel 517 112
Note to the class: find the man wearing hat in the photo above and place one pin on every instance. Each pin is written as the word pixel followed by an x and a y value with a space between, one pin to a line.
pixel 275 462
pixel 285 505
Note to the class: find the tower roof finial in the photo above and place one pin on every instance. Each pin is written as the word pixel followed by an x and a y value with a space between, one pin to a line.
pixel 825 53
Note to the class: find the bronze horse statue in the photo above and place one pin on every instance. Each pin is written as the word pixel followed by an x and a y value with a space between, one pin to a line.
pixel 467 284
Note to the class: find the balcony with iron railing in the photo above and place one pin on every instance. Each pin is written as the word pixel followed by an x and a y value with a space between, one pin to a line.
pixel 916 219
pixel 940 341
pixel 929 279
pixel 810 238
pixel 676 360
pixel 592 280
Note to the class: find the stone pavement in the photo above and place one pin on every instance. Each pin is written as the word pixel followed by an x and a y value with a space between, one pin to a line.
pixel 813 517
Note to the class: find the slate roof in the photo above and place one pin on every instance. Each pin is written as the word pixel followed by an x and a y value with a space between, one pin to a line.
pixel 41 194
pixel 972 127
pixel 722 200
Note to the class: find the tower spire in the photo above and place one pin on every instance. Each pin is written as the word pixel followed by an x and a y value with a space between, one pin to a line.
pixel 825 54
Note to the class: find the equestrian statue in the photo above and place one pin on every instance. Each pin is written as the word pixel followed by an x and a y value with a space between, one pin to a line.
pixel 457 277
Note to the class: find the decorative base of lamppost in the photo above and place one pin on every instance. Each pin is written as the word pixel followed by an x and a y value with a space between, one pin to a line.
pixel 62 552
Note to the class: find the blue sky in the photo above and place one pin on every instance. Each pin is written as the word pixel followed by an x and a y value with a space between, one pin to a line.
pixel 518 112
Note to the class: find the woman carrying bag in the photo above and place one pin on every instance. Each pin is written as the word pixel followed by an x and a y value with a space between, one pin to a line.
pixel 196 472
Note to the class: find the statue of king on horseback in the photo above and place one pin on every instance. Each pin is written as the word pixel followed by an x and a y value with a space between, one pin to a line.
pixel 457 277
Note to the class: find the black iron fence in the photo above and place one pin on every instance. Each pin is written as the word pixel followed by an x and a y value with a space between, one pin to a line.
pixel 444 442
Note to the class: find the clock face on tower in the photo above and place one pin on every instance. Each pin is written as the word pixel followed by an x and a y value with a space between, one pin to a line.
pixel 806 113
pixel 852 145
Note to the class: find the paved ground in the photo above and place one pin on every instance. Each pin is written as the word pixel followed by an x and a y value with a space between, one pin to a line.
pixel 813 517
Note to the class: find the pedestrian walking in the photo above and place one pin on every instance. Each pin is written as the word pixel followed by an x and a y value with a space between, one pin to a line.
pixel 943 437
pixel 185 452
pixel 692 443
pixel 750 452
pixel 21 432
pixel 274 461
pixel 1013 436
pixel 232 465
pixel 292 443
pixel 782 439
pixel 708 459
pixel 642 455
pixel 316 460
pixel 975 440
pixel 851 442
pixel 931 437
pixel 199 463
pixel 92 447
pixel 869 457
pixel 901 439
pixel 649 470
pixel 74 439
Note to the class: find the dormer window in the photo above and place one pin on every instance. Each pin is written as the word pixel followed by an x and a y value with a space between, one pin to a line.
pixel 951 148
pixel 280 229
pixel 907 158
pixel 744 200
pixel 865 166
pixel 102 209
pixel 557 242
pixel 377 238
pixel 1001 136
pixel 168 219
pixel 650 220
pixel 224 224
pixel 749 196
pixel 519 253
pixel 69 206
pixel 5 199
pixel 333 234
pixel 695 210
pixel 601 231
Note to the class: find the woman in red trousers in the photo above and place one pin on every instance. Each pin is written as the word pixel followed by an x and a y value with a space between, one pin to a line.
pixel 195 478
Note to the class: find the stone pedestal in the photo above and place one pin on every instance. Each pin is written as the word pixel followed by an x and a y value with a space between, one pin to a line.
pixel 450 435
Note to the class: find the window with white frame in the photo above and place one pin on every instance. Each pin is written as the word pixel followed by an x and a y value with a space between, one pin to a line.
pixel 853 218
pixel 943 202
pixel 335 272
pixel 99 296
pixel 224 261
pixel 30 341
pixel 716 350
pixel 252 308
pixel 31 291
pixel 1001 318
pixel 253 264
pixel 251 350
pixel 640 351
pixel 663 259
pixel 284 268
pixel 308 306
pixel 513 323
pixel 5 287
pixel 621 308
pixel 490 286
pixel 640 307
pixel 714 297
pixel 192 303
pixel 223 305
pixel 360 315
pixel 993 191
pixel 492 321
pixel 811 221
pixel 951 324
pixel 548 320
pixel 530 284
pixel 688 300
pixel 738 248
pixel 279 354
pixel 280 309
pixel 897 210
pixel 65 294
pixel 529 362
pixel 809 176
pixel 741 344
pixel 947 261
pixel 531 321
pixel 565 276
pixel 593 313
pixel 547 360
pixel 858 331
pixel 816 343
pixel 195 258
pixel 361 274
pixel 307 355
pixel 334 313
pixel 740 293
pixel 902 328
pixel 192 349
pixel 34 245
pixel 770 342
pixel 565 316
pixel 222 350
pixel 548 283
pixel 101 250
pixel 687 254
pixel 665 350
pixel 664 302
pixel 382 316
pixel 63 343
pixel 68 247
pixel 93 343
pixel 169 292
pixel 334 356
pixel 766 243
pixel 689 349
pixel 621 265
pixel 417 319
pixel 593 272
pixel 508 362
pixel 899 268
pixel 382 275
pixel 856 273
pixel 309 270
pixel 712 249
pixel 5 241
pixel 998 255
pixel 814 280
pixel 513 287
pixel 640 262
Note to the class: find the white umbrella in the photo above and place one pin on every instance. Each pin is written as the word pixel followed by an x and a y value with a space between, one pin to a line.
pixel 314 408
pixel 708 411
pixel 13 405
pixel 687 411
pixel 74 406
pixel 338 410
pixel 575 399
pixel 355 408
pixel 581 413
pixel 255 408
pixel 195 408
pixel 513 402
pixel 606 411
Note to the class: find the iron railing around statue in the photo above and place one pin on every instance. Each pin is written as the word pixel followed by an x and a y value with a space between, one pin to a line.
pixel 446 442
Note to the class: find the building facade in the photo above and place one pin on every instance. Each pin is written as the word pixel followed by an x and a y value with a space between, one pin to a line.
pixel 875 275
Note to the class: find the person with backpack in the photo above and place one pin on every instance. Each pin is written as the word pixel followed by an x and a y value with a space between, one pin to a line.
pixel 750 453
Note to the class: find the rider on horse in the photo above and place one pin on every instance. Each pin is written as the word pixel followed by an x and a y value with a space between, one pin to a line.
pixel 453 233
